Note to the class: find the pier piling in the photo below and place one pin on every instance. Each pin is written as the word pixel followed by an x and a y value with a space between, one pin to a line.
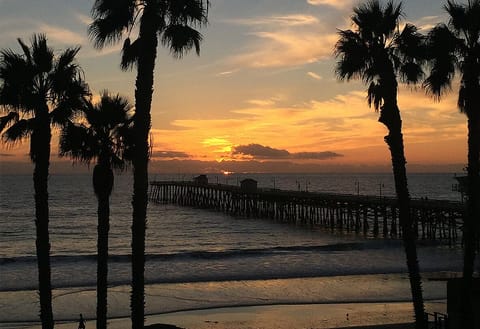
pixel 437 220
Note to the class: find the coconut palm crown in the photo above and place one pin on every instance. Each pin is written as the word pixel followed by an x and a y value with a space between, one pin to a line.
pixel 377 52
pixel 39 89
pixel 173 23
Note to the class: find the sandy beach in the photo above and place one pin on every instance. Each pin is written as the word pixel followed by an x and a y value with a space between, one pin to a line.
pixel 306 316
pixel 304 303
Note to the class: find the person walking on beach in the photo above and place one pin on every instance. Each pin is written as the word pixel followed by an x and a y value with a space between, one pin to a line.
pixel 81 322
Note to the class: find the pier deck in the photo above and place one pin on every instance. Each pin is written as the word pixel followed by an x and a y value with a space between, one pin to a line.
pixel 437 220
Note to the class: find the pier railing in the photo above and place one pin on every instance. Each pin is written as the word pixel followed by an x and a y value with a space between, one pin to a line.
pixel 437 220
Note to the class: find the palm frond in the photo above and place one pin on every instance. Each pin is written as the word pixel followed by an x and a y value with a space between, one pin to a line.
pixel 130 53
pixel 102 137
pixel 375 21
pixel 15 73
pixel 68 107
pixel 42 55
pixel 111 19
pixel 411 50
pixel 104 32
pixel 353 55
pixel 68 86
pixel 458 16
pixel 473 18
pixel 127 140
pixel 375 95
pixel 8 119
pixel 188 12
pixel 410 44
pixel 67 58
pixel 19 130
pixel 440 80
pixel 462 97
pixel 442 46
pixel 26 50
pixel 180 39
pixel 411 72
pixel 77 142
pixel 118 163
pixel 391 16
pixel 366 17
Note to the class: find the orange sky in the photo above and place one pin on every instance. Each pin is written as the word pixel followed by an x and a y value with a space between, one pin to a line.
pixel 262 90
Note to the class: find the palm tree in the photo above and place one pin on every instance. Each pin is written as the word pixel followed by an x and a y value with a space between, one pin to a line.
pixel 39 89
pixel 378 53
pixel 105 138
pixel 456 47
pixel 173 22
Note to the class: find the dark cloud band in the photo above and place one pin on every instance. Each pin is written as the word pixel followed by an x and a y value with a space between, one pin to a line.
pixel 258 151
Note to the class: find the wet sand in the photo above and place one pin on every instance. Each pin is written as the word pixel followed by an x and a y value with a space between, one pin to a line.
pixel 310 316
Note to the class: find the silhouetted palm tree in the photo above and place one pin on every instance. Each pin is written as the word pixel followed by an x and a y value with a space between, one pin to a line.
pixel 456 47
pixel 378 53
pixel 105 138
pixel 172 22
pixel 39 89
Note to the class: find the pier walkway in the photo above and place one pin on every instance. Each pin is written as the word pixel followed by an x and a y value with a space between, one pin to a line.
pixel 437 220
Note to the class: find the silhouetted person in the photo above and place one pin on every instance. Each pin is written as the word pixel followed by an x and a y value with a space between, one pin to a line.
pixel 81 322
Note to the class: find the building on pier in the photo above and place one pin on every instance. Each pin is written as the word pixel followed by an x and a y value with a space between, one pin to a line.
pixel 249 185
pixel 201 180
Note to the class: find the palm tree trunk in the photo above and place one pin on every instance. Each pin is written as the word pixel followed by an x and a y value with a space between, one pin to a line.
pixel 102 182
pixel 471 226
pixel 40 153
pixel 391 118
pixel 143 100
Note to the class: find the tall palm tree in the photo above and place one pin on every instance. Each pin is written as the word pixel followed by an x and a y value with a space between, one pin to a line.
pixel 379 54
pixel 39 89
pixel 105 138
pixel 456 47
pixel 172 22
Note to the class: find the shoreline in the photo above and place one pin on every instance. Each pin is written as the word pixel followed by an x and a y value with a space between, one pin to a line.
pixel 22 306
pixel 372 315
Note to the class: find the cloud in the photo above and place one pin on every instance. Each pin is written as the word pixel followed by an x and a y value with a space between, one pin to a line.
pixel 271 101
pixel 287 20
pixel 218 144
pixel 339 4
pixel 84 19
pixel 258 151
pixel 428 22
pixel 286 48
pixel 342 123
pixel 227 73
pixel 170 154
pixel 316 155
pixel 58 37
pixel 261 102
pixel 284 41
pixel 62 35
pixel 313 75
pixel 67 37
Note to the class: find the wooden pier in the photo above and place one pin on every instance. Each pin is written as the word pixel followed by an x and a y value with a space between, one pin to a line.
pixel 437 220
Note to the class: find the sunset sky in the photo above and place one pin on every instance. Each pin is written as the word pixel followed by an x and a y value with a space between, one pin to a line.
pixel 262 96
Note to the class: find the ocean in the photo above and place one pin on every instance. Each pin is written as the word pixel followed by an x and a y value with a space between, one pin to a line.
pixel 201 259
